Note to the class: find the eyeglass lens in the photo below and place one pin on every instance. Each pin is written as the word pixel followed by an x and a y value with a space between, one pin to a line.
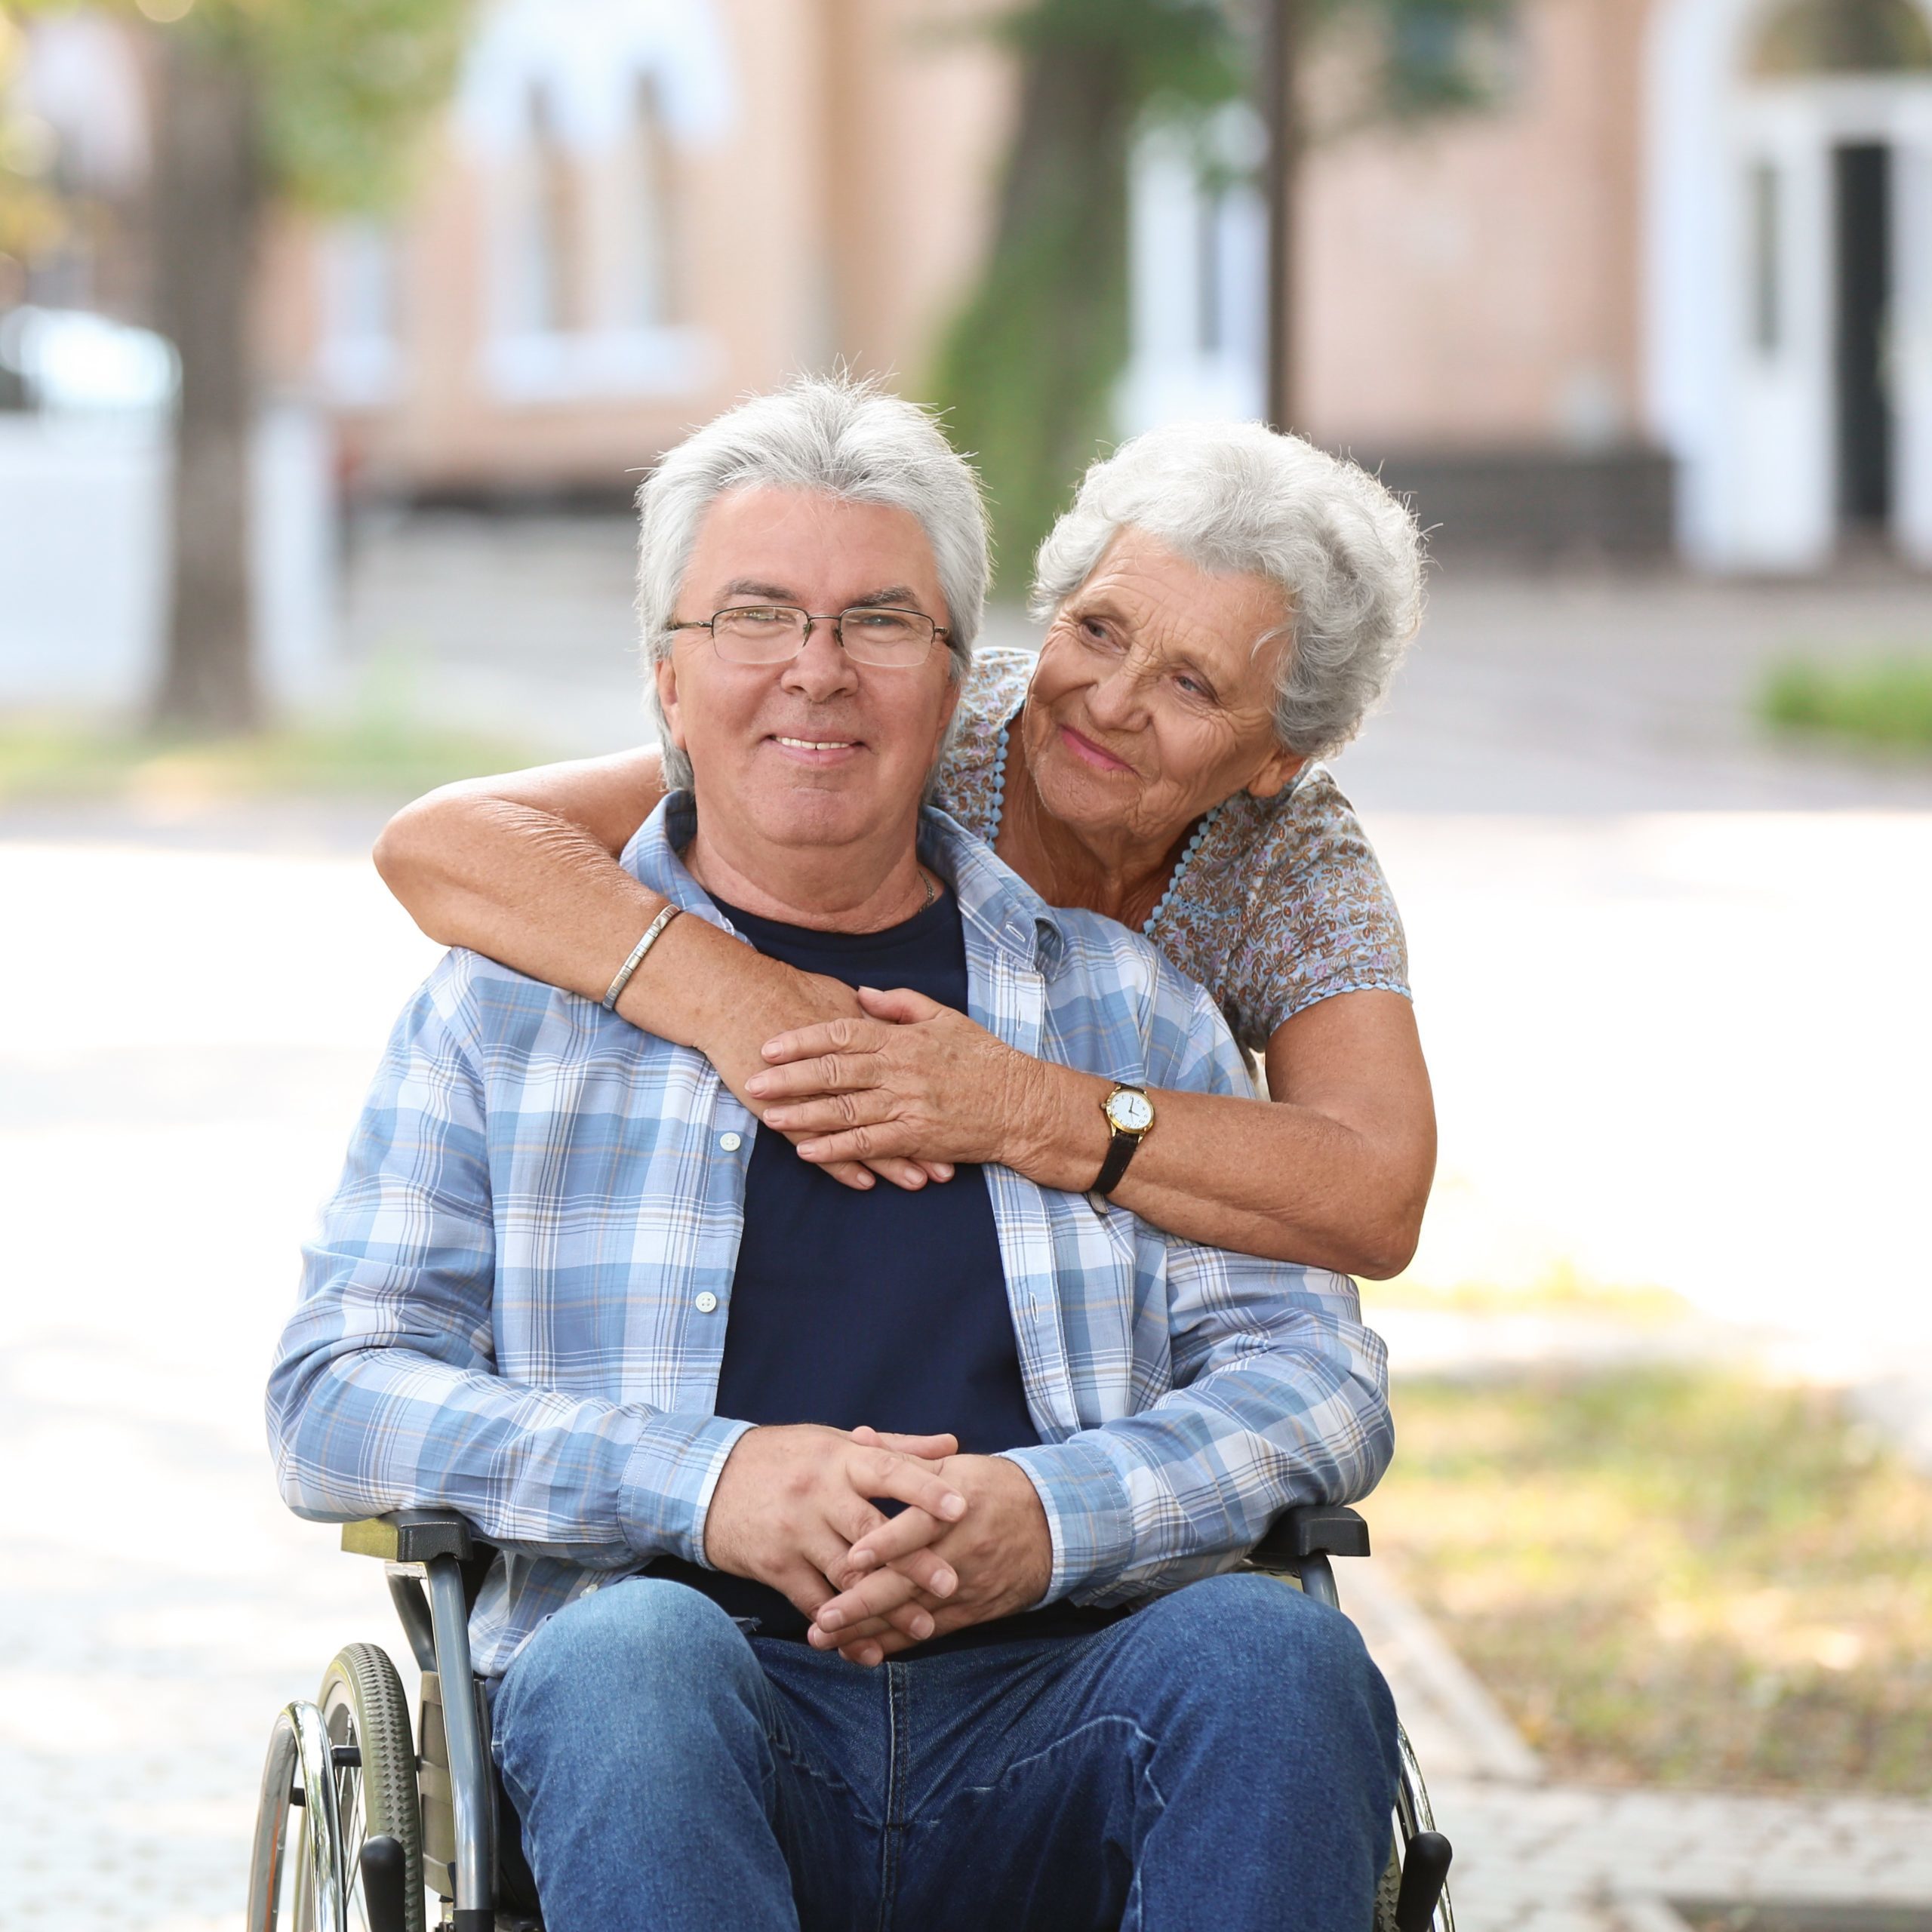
pixel 770 633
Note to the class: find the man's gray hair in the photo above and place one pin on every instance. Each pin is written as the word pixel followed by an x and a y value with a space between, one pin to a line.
pixel 1237 497
pixel 833 435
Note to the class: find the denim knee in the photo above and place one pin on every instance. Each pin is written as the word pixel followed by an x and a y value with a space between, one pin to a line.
pixel 642 1662
pixel 1284 1651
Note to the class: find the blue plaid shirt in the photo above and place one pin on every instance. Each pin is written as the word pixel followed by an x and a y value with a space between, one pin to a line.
pixel 516 1304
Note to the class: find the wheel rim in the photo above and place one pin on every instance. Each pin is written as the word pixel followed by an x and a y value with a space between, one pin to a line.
pixel 304 1891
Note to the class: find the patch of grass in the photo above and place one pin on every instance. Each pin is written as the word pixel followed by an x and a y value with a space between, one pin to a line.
pixel 1882 702
pixel 381 757
pixel 1673 1576
pixel 1563 1291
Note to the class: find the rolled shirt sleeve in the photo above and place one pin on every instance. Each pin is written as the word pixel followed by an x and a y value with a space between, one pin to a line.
pixel 1279 1394
pixel 384 1393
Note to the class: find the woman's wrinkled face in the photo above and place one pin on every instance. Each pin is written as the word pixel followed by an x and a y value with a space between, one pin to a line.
pixel 1154 697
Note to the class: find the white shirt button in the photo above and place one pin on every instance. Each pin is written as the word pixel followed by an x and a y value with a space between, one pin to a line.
pixel 730 1142
pixel 707 1302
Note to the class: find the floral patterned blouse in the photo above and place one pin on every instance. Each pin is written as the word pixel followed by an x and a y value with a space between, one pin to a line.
pixel 1280 902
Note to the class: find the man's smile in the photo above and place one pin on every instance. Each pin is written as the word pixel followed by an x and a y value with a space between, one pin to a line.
pixel 813 750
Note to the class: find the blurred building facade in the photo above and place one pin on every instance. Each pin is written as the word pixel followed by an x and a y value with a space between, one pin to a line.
pixel 638 210
pixel 1670 286
pixel 1673 286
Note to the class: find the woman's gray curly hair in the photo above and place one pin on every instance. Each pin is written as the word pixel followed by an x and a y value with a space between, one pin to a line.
pixel 1239 498
pixel 834 434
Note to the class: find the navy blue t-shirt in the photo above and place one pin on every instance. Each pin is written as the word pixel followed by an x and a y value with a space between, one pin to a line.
pixel 883 1306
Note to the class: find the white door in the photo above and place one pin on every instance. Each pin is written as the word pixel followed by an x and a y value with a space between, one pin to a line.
pixel 1776 509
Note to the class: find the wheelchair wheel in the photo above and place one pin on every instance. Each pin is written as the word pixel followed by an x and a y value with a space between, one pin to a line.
pixel 1390 1889
pixel 365 1713
pixel 339 1773
pixel 1414 1817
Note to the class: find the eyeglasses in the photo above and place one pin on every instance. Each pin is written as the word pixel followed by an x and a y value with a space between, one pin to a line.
pixel 773 633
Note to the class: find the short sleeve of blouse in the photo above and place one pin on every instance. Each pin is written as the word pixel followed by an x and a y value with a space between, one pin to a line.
pixel 1318 919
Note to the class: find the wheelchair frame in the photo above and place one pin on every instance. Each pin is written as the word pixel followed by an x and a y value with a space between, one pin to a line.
pixel 435 1562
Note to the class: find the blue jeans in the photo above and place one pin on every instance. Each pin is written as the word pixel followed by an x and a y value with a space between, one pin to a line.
pixel 1225 1758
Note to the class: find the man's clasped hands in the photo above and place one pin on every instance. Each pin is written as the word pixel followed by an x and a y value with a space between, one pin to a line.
pixel 797 1508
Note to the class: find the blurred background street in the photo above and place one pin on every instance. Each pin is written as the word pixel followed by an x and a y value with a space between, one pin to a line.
pixel 1630 297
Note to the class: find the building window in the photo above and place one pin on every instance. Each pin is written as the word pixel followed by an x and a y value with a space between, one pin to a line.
pixel 582 112
pixel 361 321
pixel 1767 218
pixel 1842 37
pixel 550 281
pixel 1210 247
pixel 1197 269
pixel 653 227
pixel 1444 54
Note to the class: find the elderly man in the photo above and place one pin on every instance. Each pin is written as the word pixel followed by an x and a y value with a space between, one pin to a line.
pixel 568 1288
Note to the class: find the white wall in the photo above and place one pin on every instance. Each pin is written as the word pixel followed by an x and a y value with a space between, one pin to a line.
pixel 83 557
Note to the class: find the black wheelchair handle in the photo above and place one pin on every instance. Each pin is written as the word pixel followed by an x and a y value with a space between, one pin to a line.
pixel 412 1535
pixel 1310 1529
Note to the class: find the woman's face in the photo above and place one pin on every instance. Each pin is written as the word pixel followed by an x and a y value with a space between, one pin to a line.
pixel 1152 702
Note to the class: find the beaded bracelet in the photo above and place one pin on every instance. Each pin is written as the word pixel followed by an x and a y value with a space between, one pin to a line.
pixel 652 933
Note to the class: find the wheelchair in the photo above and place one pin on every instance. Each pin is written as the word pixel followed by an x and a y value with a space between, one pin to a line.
pixel 362 1816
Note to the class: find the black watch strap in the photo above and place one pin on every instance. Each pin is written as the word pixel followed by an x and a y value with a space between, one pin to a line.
pixel 1120 1151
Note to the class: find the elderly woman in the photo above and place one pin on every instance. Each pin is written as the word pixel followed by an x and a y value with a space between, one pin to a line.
pixel 1223 606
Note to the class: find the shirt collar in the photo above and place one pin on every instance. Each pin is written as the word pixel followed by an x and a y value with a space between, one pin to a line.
pixel 992 895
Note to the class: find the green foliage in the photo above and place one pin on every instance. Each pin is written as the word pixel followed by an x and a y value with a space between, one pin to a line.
pixel 346 84
pixel 1843 37
pixel 1673 1575
pixel 1181 50
pixel 1884 702
pixel 30 217
pixel 1437 56
pixel 1028 368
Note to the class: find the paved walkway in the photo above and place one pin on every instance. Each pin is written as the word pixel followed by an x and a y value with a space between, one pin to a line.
pixel 1559 1859
pixel 1680 1044
pixel 1532 1856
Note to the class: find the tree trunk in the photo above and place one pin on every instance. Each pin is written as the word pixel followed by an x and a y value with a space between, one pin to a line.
pixel 1030 364
pixel 208 198
pixel 1280 69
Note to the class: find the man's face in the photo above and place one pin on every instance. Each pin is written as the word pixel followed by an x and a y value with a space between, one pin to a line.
pixel 819 750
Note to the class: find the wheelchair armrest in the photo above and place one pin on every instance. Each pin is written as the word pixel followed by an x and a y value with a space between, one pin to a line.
pixel 413 1536
pixel 1312 1529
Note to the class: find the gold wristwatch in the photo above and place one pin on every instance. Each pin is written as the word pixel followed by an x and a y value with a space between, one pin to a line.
pixel 1130 1116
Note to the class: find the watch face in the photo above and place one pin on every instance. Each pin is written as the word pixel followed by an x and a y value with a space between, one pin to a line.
pixel 1131 1112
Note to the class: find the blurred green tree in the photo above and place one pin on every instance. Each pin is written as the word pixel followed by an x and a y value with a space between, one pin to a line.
pixel 313 104
pixel 30 217
pixel 1029 366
